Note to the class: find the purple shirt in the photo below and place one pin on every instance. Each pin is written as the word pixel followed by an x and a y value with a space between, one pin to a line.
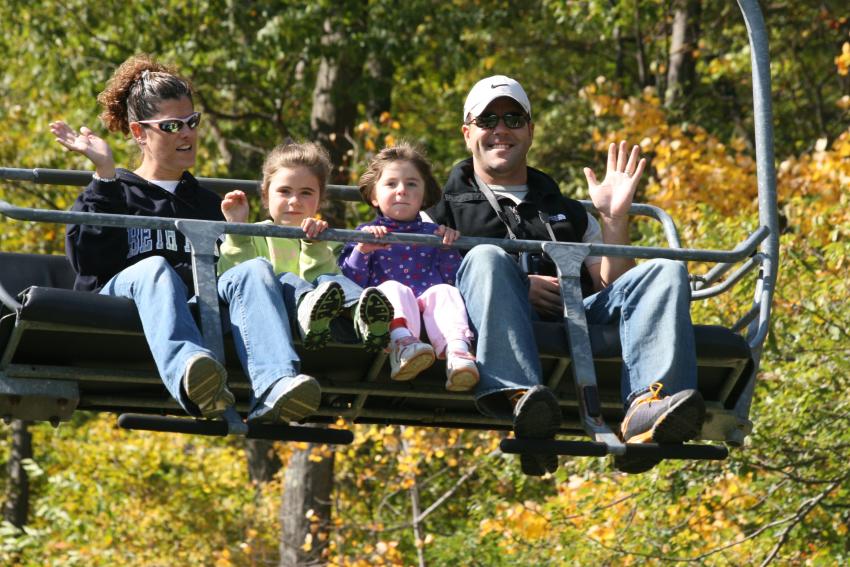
pixel 416 266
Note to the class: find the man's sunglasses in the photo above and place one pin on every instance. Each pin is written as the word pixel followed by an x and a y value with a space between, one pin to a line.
pixel 174 125
pixel 512 120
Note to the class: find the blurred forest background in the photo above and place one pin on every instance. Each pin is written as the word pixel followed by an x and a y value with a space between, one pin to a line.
pixel 672 75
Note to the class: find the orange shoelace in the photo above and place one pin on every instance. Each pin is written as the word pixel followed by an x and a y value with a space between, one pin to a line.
pixel 654 394
pixel 515 396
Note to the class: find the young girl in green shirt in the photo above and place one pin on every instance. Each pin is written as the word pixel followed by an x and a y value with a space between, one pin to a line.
pixel 293 185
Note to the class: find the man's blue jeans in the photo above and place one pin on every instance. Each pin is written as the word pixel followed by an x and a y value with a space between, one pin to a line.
pixel 650 303
pixel 256 315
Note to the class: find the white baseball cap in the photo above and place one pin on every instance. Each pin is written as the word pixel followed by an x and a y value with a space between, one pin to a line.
pixel 487 90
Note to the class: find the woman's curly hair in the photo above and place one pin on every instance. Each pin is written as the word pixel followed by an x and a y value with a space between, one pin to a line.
pixel 403 151
pixel 135 90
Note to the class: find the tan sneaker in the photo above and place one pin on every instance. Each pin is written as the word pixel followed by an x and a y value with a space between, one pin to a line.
pixel 205 384
pixel 289 399
pixel 658 418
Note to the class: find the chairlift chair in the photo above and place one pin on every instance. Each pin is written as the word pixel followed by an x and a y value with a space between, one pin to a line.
pixel 63 350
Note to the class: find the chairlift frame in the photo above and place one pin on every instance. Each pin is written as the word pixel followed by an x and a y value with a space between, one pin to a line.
pixel 35 391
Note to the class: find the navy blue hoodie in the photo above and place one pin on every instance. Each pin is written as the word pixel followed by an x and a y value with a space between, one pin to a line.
pixel 98 253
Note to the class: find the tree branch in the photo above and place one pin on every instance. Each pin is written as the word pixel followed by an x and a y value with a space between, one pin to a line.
pixel 802 511
pixel 446 495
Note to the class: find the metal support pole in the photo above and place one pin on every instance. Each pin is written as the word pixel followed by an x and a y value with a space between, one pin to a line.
pixel 203 237
pixel 568 260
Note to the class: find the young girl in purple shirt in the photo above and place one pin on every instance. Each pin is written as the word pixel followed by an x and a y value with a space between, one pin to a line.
pixel 417 280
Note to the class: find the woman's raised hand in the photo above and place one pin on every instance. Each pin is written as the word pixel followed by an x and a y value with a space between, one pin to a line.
pixel 88 144
pixel 235 206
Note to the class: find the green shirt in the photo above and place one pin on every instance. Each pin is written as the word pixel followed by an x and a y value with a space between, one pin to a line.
pixel 307 258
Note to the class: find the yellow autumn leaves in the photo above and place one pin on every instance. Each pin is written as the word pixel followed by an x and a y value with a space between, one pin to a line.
pixel 374 136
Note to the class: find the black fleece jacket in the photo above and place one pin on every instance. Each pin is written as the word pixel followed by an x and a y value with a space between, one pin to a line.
pixel 98 253
pixel 464 208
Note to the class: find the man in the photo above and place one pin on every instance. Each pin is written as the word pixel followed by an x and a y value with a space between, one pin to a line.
pixel 650 302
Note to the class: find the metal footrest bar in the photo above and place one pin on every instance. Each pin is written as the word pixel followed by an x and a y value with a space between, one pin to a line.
pixel 220 428
pixel 592 449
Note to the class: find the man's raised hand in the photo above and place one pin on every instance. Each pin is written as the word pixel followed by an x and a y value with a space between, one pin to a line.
pixel 613 196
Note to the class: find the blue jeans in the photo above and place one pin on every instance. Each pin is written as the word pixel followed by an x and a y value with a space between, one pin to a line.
pixel 294 287
pixel 650 303
pixel 252 295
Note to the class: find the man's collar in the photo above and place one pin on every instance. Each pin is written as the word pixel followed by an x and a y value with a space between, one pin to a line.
pixel 464 173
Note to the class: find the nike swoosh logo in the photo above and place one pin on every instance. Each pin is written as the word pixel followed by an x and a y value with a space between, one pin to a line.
pixel 497 86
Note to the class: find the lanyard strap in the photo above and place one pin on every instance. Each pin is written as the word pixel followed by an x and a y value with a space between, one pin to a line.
pixel 500 213
pixel 491 198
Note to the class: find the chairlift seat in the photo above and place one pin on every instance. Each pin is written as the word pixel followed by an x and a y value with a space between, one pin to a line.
pixel 96 342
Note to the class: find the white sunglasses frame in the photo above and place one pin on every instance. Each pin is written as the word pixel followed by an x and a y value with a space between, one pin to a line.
pixel 183 122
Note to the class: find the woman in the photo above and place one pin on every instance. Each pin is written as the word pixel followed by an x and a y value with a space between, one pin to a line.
pixel 153 267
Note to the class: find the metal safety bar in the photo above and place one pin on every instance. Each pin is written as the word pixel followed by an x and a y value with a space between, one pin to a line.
pixel 569 262
pixel 737 254
pixel 337 192
pixel 350 193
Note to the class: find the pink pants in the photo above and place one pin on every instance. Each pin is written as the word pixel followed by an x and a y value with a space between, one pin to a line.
pixel 441 308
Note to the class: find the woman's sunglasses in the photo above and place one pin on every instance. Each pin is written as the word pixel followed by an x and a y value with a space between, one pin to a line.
pixel 174 125
pixel 513 120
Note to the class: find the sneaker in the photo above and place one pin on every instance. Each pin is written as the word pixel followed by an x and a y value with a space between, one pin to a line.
pixel 658 418
pixel 408 357
pixel 205 384
pixel 316 310
pixel 289 399
pixel 372 318
pixel 537 415
pixel 461 371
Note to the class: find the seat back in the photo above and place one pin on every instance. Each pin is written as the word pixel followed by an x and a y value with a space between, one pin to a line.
pixel 20 271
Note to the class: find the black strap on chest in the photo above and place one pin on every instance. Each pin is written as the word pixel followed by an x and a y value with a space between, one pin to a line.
pixel 494 203
pixel 491 198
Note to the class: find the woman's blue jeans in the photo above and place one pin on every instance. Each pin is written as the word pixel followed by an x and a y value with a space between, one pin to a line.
pixel 255 314
pixel 650 303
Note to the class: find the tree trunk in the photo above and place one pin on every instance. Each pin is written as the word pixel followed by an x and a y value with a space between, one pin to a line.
pixel 263 462
pixel 305 511
pixel 640 54
pixel 334 111
pixel 308 484
pixel 415 509
pixel 379 69
pixel 684 38
pixel 16 507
